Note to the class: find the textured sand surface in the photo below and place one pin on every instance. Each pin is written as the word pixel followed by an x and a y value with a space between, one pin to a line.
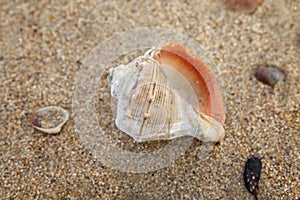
pixel 42 44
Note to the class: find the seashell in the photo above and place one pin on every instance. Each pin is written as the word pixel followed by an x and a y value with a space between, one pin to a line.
pixel 269 75
pixel 168 93
pixel 252 174
pixel 247 6
pixel 49 119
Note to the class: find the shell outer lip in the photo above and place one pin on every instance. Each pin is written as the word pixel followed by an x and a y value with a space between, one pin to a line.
pixel 185 54
pixel 53 130
pixel 218 111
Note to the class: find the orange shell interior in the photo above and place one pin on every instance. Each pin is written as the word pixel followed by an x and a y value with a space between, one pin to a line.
pixel 201 78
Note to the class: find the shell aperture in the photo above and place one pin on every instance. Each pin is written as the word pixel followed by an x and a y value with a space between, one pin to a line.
pixel 157 102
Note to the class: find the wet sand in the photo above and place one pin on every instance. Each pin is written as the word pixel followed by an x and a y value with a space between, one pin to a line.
pixel 42 45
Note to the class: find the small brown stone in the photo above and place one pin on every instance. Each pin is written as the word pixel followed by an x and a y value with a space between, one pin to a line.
pixel 269 75
pixel 247 6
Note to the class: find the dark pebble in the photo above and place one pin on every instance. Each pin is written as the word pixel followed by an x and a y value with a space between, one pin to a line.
pixel 269 75
pixel 252 174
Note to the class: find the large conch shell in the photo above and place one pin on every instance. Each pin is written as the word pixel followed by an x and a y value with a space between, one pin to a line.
pixel 168 93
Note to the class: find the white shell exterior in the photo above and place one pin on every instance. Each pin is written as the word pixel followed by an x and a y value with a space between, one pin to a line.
pixel 156 103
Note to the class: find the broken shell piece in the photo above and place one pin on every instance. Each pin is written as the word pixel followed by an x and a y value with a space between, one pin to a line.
pixel 49 119
pixel 168 93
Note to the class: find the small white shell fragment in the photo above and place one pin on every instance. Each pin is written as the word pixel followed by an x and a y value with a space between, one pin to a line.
pixel 49 119
pixel 156 102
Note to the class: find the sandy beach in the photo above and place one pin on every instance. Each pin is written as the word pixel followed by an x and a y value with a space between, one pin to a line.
pixel 45 45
